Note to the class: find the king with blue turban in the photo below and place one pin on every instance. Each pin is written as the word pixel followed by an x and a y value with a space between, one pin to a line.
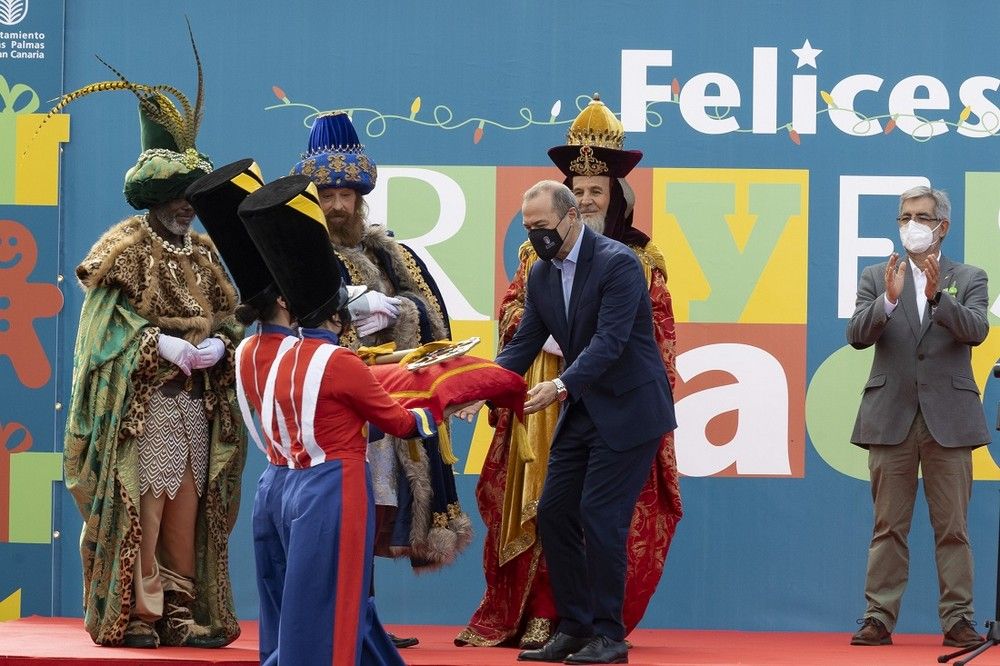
pixel 419 513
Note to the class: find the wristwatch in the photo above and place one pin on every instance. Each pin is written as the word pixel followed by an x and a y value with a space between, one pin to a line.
pixel 561 392
pixel 937 299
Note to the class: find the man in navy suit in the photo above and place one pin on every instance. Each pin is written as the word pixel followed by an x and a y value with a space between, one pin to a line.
pixel 590 295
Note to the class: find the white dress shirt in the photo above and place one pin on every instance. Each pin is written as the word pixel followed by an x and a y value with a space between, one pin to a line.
pixel 919 285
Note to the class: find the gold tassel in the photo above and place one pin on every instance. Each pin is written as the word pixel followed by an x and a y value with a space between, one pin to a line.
pixel 444 445
pixel 414 451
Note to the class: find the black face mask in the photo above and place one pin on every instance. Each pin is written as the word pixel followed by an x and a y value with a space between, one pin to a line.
pixel 546 242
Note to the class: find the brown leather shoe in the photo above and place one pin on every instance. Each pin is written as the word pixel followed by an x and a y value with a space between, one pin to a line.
pixel 962 634
pixel 872 632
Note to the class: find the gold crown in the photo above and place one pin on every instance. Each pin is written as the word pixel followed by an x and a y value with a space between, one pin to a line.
pixel 596 126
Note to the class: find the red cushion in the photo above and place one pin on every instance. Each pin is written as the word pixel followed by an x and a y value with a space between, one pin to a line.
pixel 453 382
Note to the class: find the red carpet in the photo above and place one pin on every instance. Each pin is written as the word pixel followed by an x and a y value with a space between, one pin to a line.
pixel 38 641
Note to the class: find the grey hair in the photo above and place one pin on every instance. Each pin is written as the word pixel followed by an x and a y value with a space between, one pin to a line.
pixel 942 205
pixel 562 197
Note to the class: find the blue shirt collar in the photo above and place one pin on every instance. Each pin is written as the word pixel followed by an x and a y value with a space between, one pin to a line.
pixel 320 334
pixel 274 329
pixel 574 252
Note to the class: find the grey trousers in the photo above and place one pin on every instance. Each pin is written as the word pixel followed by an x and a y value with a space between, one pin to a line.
pixel 947 476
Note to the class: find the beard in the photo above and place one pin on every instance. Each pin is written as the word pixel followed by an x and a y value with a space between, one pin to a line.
pixel 595 221
pixel 346 230
pixel 172 224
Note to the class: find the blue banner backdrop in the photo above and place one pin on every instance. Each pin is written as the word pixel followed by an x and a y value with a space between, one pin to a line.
pixel 776 138
pixel 33 365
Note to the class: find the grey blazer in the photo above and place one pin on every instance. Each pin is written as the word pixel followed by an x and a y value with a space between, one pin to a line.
pixel 926 365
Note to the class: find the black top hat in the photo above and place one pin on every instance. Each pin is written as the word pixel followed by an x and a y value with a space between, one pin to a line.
pixel 216 198
pixel 287 225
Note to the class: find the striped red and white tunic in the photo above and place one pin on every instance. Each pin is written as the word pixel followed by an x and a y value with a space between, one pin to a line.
pixel 255 377
pixel 323 397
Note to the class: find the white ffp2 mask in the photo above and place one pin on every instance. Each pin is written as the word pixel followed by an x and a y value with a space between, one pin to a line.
pixel 916 237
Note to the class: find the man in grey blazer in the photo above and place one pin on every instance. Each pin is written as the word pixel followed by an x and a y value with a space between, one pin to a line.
pixel 920 408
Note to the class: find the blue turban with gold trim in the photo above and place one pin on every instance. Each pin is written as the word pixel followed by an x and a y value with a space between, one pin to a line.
pixel 336 158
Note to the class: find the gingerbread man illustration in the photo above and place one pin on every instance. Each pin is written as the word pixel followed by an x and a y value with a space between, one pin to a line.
pixel 21 303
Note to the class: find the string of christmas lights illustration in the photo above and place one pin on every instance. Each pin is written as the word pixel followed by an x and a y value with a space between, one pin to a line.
pixel 443 117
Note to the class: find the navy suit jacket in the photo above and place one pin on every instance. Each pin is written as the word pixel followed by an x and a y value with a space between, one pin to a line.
pixel 613 363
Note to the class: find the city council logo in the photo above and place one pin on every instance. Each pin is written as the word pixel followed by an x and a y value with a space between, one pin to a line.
pixel 13 12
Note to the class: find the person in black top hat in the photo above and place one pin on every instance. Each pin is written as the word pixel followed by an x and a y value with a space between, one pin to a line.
pixel 322 397
pixel 419 514
pixel 216 198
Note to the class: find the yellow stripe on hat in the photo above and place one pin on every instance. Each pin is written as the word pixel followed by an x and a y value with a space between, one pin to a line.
pixel 308 205
pixel 249 180
pixel 312 192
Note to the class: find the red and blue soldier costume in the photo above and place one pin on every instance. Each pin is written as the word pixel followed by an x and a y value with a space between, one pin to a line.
pixel 316 412
pixel 255 375
pixel 216 197
pixel 325 395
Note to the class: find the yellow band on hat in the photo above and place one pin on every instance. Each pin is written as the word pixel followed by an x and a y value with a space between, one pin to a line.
pixel 307 203
pixel 250 180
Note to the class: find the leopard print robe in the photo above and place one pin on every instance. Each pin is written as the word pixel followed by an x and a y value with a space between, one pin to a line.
pixel 133 291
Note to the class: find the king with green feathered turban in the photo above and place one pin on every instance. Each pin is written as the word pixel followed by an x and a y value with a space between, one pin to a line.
pixel 169 161
pixel 154 447
pixel 166 166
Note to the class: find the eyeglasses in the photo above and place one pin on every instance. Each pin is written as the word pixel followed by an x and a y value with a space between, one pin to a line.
pixel 921 218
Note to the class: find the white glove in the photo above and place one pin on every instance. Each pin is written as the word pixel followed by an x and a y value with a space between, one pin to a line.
pixel 373 302
pixel 178 351
pixel 552 347
pixel 355 290
pixel 372 323
pixel 208 353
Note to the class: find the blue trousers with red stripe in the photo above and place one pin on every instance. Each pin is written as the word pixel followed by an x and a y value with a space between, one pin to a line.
pixel 270 551
pixel 327 617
